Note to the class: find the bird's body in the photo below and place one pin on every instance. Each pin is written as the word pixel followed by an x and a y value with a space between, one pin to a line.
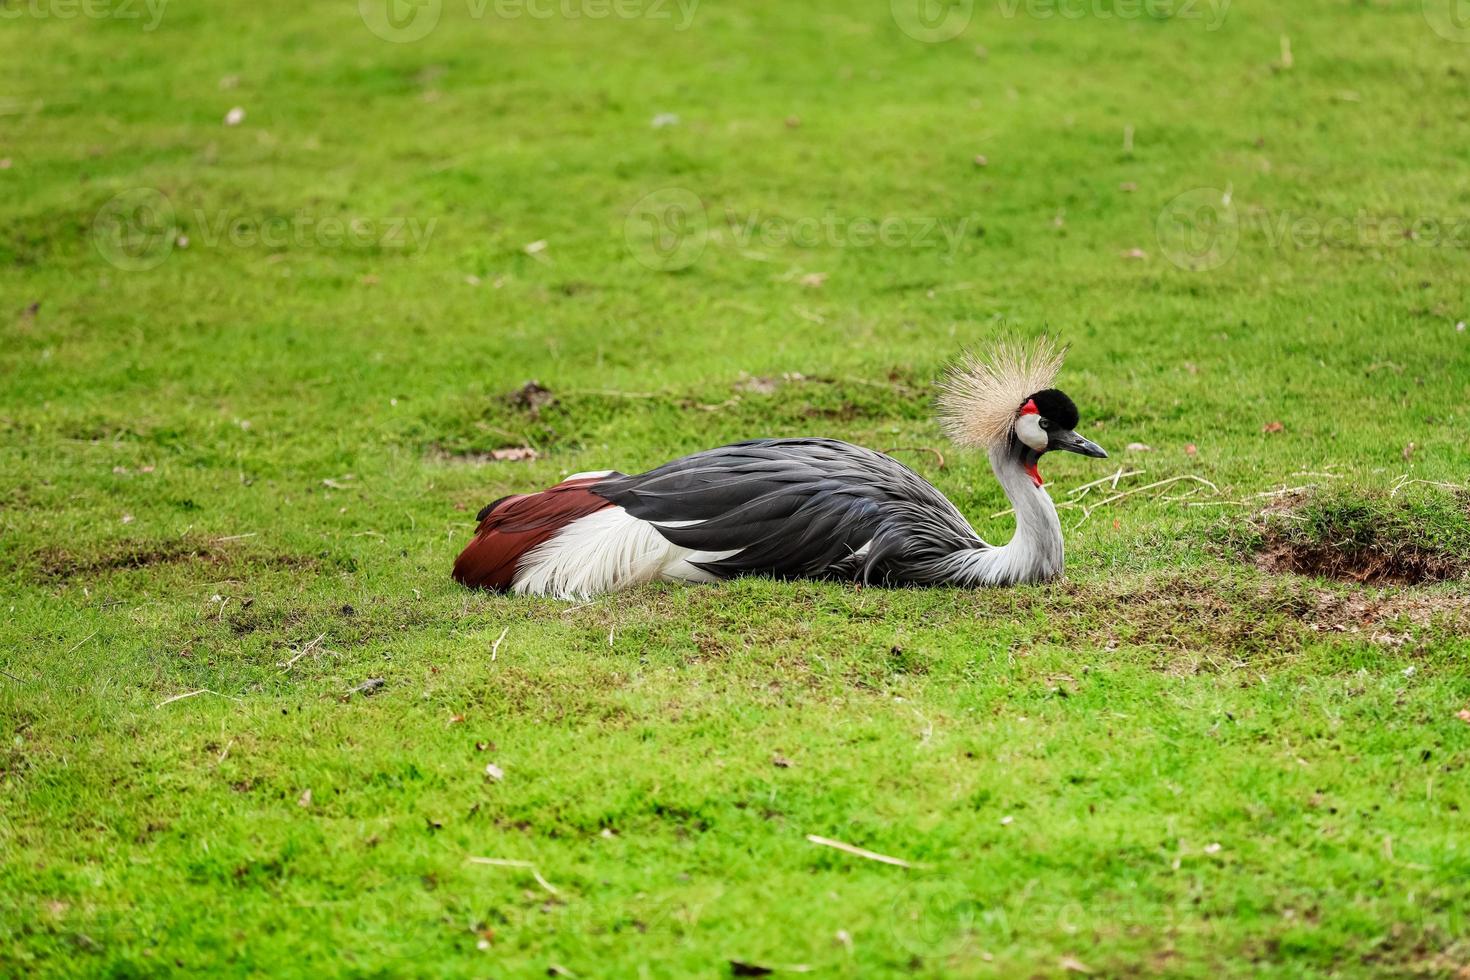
pixel 783 508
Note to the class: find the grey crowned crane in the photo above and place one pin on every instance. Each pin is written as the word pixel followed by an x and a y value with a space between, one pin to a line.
pixel 800 508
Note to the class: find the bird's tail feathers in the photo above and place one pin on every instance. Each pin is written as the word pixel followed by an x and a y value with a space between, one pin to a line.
pixel 513 526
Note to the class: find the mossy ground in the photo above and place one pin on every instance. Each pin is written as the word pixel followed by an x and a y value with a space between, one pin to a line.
pixel 243 466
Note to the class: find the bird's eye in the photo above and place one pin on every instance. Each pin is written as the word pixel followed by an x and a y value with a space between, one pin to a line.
pixel 1045 424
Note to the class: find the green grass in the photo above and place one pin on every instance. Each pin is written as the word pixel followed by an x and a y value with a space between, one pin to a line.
pixel 271 442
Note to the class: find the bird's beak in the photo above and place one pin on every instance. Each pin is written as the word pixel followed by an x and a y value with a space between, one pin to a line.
pixel 1073 443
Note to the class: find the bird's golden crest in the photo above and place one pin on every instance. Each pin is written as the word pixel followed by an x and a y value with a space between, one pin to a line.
pixel 984 392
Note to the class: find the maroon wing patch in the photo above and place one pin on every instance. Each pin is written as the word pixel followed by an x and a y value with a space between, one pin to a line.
pixel 514 525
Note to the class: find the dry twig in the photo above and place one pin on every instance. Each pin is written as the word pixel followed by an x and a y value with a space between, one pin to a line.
pixel 190 694
pixel 1405 481
pixel 78 645
pixel 858 851
pixel 1112 480
pixel 304 651
pixel 514 863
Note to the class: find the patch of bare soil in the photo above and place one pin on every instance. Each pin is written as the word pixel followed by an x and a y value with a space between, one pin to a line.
pixel 505 454
pixel 1364 566
pixel 531 397
pixel 1241 621
pixel 1187 615
pixel 59 565
pixel 1370 611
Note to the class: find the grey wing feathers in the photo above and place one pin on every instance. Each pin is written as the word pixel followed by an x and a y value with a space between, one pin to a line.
pixel 797 508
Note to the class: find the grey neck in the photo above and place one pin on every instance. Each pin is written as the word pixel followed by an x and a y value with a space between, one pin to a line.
pixel 1035 552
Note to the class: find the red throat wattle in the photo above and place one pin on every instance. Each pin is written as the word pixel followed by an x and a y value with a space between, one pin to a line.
pixel 1030 466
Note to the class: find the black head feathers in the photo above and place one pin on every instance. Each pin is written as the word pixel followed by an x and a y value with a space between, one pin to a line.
pixel 1055 406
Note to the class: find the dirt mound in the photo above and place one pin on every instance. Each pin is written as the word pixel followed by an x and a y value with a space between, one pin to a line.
pixel 1365 566
pixel 1366 538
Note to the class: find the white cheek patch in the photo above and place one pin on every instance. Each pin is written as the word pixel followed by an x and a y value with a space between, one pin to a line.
pixel 1029 431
